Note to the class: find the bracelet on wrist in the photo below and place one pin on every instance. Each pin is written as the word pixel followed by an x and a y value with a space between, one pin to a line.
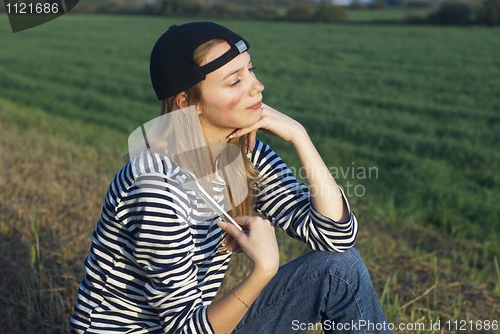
pixel 239 299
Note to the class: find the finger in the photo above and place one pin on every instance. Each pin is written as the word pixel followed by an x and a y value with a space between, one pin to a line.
pixel 243 131
pixel 228 239
pixel 235 247
pixel 245 221
pixel 231 229
pixel 231 246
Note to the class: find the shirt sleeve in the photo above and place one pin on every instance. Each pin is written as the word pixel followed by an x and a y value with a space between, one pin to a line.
pixel 155 211
pixel 287 204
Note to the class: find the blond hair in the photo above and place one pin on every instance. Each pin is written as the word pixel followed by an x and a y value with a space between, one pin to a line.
pixel 194 97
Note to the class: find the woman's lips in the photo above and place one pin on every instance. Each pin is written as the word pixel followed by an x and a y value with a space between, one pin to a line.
pixel 256 106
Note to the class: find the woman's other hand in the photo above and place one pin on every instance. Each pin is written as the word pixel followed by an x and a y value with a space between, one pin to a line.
pixel 258 243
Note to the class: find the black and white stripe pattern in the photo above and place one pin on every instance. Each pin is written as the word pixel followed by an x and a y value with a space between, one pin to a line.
pixel 287 204
pixel 153 265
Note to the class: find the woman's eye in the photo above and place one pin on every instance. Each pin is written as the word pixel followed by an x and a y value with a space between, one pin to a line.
pixel 251 69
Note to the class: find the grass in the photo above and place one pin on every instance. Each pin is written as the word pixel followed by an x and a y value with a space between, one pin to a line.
pixel 51 195
pixel 51 190
pixel 370 96
pixel 361 91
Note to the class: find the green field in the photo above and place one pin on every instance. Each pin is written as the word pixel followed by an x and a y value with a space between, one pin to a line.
pixel 418 105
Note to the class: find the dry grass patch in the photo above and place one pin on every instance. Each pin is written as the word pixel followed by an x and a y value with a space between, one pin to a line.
pixel 50 199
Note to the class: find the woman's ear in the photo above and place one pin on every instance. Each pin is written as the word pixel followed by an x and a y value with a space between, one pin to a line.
pixel 181 100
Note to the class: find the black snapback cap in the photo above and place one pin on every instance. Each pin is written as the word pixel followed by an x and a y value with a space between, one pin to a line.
pixel 172 67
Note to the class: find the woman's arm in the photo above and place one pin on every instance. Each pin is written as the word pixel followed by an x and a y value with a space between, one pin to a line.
pixel 287 204
pixel 260 246
pixel 164 250
pixel 326 197
pixel 155 211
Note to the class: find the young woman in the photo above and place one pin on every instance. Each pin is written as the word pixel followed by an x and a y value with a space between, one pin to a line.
pixel 155 263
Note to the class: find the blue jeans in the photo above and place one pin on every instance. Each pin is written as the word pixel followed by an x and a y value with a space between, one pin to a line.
pixel 334 288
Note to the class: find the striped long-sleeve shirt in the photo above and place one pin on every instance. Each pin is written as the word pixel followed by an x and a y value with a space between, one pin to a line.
pixel 153 265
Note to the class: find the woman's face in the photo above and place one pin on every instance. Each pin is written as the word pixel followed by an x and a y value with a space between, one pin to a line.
pixel 231 95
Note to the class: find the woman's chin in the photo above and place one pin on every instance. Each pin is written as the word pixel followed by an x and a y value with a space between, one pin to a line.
pixel 253 116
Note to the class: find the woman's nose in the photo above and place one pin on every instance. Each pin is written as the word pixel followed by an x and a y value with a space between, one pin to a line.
pixel 257 86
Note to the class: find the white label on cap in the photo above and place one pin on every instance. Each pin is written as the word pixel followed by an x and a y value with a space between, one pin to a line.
pixel 241 46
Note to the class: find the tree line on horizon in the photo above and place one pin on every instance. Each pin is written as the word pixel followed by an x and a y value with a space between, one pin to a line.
pixel 296 10
pixel 443 12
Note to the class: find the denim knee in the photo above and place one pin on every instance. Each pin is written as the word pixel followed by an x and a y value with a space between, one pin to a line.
pixel 343 264
pixel 317 286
